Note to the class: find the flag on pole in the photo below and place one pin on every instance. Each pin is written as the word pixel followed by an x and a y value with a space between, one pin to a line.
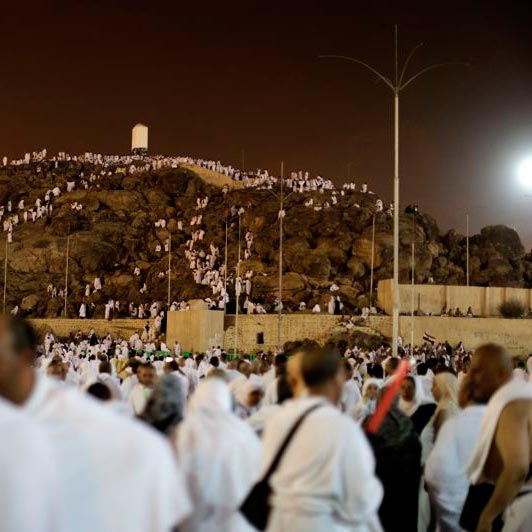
pixel 429 338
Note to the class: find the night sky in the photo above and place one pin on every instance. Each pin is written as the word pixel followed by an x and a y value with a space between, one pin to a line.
pixel 213 81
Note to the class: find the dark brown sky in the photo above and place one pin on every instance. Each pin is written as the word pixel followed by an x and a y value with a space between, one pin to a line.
pixel 210 81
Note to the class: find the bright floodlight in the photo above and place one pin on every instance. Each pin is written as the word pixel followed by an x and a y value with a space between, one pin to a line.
pixel 525 172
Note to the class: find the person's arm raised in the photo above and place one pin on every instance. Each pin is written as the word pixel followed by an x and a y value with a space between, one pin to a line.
pixel 512 442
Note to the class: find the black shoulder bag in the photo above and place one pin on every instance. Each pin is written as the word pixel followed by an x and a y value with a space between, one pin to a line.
pixel 256 507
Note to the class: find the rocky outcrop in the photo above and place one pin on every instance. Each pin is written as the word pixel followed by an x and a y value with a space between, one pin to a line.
pixel 114 233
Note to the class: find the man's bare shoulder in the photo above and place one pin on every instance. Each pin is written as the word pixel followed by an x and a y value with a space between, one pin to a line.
pixel 517 408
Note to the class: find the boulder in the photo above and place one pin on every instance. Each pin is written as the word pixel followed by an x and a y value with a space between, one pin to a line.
pixel 29 302
pixel 356 268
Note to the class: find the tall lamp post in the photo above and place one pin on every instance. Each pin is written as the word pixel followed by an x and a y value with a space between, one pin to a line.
pixel 281 214
pixel 237 294
pixel 467 211
pixel 225 260
pixel 169 268
pixel 5 273
pixel 396 86
pixel 227 220
pixel 66 271
pixel 467 250
pixel 372 262
pixel 413 280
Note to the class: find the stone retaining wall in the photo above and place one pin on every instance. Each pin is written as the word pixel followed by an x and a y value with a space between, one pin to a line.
pixel 515 335
pixel 123 328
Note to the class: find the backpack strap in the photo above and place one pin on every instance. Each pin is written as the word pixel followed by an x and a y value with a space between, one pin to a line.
pixel 279 455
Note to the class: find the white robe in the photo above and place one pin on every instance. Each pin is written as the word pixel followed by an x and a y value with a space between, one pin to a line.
pixel 113 384
pixel 127 386
pixel 512 391
pixel 326 480
pixel 518 514
pixel 139 397
pixel 115 474
pixel 220 456
pixel 270 393
pixel 29 494
pixel 445 469
pixel 350 396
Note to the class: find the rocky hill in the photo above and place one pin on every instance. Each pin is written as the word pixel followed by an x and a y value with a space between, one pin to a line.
pixel 115 232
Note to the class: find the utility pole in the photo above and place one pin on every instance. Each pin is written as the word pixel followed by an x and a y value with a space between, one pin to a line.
pixel 169 267
pixel 225 263
pixel 237 293
pixel 280 304
pixel 66 271
pixel 467 250
pixel 372 263
pixel 281 214
pixel 5 273
pixel 396 86
pixel 412 295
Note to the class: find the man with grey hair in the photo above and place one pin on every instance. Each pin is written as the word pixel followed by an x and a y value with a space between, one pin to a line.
pixel 166 404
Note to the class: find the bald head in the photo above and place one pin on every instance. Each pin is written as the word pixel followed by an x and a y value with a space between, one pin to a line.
pixel 491 368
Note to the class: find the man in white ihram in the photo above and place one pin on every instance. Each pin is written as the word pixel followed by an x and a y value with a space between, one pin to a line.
pixel 29 498
pixel 114 474
pixel 140 393
pixel 503 452
pixel 326 479
pixel 218 481
pixel 445 468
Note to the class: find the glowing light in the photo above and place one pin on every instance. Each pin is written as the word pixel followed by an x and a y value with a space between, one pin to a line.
pixel 525 172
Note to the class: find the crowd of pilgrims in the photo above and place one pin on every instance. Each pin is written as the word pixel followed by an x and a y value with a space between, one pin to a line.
pixel 126 435
pixel 204 258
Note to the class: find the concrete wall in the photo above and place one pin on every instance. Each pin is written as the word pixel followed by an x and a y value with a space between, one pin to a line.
pixel 431 299
pixel 294 327
pixel 515 335
pixel 196 330
pixel 200 329
pixel 123 328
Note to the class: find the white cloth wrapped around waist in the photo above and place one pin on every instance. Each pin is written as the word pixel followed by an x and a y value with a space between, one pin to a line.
pixel 512 391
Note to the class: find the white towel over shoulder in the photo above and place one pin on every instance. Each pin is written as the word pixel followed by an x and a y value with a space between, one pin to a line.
pixel 512 391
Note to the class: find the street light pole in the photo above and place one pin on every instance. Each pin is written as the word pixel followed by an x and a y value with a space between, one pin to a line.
pixel 66 271
pixel 281 214
pixel 237 293
pixel 395 315
pixel 467 250
pixel 412 295
pixel 372 263
pixel 5 274
pixel 280 304
pixel 169 267
pixel 396 86
pixel 225 263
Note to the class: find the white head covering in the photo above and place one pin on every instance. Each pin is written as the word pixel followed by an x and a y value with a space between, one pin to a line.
pixel 368 382
pixel 365 407
pixel 529 365
pixel 219 453
pixel 409 407
pixel 253 384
